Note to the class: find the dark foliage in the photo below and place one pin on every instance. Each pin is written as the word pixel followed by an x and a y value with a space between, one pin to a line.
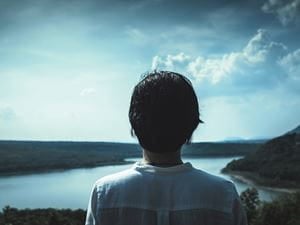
pixel 277 160
pixel 250 201
pixel 13 216
pixel 284 210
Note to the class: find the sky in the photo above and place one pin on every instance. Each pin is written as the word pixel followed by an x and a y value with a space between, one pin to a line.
pixel 68 68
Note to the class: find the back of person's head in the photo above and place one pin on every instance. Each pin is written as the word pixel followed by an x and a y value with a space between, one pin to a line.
pixel 164 111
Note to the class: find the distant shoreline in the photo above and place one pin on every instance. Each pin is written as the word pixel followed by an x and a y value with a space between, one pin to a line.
pixel 253 179
pixel 124 161
pixel 54 170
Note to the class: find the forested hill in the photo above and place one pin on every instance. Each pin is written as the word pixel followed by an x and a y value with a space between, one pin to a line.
pixel 221 149
pixel 43 156
pixel 275 163
pixel 296 130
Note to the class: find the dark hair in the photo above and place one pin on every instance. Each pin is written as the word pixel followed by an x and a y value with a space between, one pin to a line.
pixel 164 111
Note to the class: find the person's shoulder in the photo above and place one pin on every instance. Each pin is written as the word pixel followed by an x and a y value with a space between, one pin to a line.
pixel 217 179
pixel 211 191
pixel 116 179
pixel 212 182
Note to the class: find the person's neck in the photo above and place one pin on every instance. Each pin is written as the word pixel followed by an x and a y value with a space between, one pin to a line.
pixel 162 159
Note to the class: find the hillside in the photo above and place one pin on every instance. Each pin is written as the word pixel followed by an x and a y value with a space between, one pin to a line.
pixel 39 156
pixel 296 130
pixel 221 149
pixel 275 163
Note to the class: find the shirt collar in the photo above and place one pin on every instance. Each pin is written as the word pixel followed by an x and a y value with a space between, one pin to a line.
pixel 154 169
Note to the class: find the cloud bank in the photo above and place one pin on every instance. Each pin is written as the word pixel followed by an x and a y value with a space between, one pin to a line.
pixel 261 64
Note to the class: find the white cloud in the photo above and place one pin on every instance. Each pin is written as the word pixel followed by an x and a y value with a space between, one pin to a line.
pixel 291 63
pixel 254 67
pixel 213 70
pixel 286 11
pixel 171 62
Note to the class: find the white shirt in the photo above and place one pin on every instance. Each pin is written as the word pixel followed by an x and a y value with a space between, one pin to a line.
pixel 150 195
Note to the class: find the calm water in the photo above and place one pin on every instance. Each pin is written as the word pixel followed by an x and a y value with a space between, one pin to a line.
pixel 71 188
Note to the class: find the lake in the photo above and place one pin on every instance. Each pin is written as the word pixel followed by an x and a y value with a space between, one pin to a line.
pixel 71 188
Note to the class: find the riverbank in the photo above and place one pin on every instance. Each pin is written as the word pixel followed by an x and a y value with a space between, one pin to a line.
pixel 54 170
pixel 269 184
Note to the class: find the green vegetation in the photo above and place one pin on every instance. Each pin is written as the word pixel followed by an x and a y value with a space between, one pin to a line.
pixel 251 202
pixel 284 210
pixel 13 216
pixel 36 156
pixel 276 163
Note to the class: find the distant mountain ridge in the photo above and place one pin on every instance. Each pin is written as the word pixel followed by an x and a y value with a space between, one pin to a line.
pixel 237 139
pixel 275 163
pixel 253 141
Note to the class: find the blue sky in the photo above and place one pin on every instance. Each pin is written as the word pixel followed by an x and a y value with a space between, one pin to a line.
pixel 67 68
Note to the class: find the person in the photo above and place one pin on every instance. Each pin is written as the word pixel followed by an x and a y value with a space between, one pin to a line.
pixel 161 189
